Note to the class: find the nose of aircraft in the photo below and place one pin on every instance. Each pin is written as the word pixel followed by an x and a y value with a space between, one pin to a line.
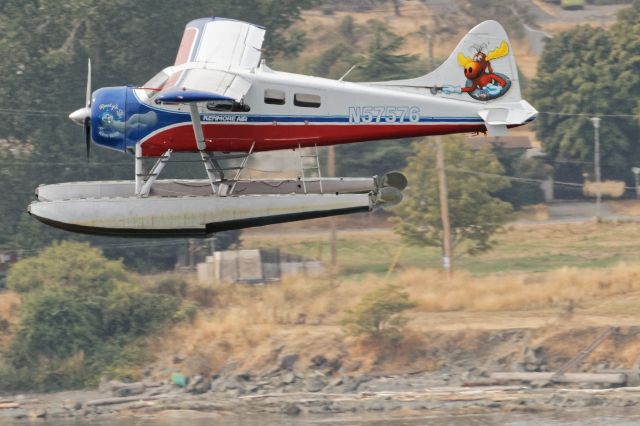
pixel 80 115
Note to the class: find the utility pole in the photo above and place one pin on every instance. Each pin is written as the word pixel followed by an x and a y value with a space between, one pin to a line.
pixel 444 208
pixel 596 130
pixel 331 171
pixel 430 49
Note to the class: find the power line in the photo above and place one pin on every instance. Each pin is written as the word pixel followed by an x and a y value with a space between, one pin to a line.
pixel 525 180
pixel 141 244
pixel 589 114
pixel 76 164
pixel 8 111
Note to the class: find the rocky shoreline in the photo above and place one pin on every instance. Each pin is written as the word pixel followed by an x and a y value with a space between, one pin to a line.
pixel 300 383
pixel 292 393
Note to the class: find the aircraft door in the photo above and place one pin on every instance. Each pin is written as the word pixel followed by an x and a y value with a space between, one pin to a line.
pixel 276 104
pixel 309 115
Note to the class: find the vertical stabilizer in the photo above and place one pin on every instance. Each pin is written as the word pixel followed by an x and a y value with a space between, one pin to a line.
pixel 482 68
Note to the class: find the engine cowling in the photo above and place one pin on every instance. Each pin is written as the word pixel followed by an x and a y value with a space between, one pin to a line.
pixel 109 117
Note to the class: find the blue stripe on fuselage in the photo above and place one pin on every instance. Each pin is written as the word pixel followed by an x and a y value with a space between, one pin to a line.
pixel 151 118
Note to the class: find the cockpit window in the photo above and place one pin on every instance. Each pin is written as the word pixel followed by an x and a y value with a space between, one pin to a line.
pixel 228 106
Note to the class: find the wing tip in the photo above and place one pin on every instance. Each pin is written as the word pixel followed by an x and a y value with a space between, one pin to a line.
pixel 201 22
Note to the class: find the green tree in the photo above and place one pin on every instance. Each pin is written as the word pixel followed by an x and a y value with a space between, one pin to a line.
pixel 515 163
pixel 626 61
pixel 373 158
pixel 381 60
pixel 591 71
pixel 67 265
pixel 472 179
pixel 379 315
pixel 80 315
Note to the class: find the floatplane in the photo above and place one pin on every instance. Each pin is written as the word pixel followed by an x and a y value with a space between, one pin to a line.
pixel 221 101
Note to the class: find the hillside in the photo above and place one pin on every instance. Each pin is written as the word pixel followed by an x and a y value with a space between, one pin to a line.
pixel 253 328
pixel 446 22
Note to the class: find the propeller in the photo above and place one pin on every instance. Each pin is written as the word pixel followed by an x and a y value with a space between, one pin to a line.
pixel 82 116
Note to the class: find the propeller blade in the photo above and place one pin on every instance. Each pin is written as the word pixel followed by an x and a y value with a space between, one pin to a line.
pixel 87 135
pixel 88 98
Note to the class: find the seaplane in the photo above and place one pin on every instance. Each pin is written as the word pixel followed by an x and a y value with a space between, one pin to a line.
pixel 220 100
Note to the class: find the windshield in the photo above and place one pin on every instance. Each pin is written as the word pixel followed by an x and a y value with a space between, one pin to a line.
pixel 156 84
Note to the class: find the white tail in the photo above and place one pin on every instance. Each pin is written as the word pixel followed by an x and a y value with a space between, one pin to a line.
pixel 481 71
pixel 482 68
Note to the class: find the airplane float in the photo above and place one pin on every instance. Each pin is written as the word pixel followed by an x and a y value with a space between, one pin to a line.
pixel 222 101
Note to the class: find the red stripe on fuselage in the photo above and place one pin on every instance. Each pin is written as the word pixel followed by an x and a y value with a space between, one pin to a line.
pixel 267 137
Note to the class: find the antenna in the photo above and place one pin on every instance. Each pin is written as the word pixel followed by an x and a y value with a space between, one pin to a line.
pixel 348 72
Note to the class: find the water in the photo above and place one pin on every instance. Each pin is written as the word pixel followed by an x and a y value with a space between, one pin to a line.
pixel 619 417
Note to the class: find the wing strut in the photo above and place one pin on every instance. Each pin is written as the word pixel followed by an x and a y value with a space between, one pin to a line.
pixel 210 164
pixel 220 185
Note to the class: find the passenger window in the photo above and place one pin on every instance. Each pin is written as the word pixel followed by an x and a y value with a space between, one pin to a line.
pixel 274 97
pixel 306 100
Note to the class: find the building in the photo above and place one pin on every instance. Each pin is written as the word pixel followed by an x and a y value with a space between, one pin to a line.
pixel 254 266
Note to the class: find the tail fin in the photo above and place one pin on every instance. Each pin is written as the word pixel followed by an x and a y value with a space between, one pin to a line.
pixel 482 68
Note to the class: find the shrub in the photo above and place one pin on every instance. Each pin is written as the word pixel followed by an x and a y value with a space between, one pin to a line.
pixel 55 324
pixel 81 317
pixel 130 310
pixel 378 315
pixel 187 312
pixel 203 296
pixel 172 286
pixel 69 265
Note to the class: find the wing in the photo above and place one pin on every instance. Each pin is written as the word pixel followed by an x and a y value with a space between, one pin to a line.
pixel 463 60
pixel 191 84
pixel 498 52
pixel 224 42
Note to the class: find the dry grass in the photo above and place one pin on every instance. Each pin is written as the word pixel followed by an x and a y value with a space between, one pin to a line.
pixel 9 305
pixel 536 213
pixel 546 7
pixel 610 188
pixel 562 344
pixel 625 207
pixel 518 291
pixel 254 326
pixel 526 59
pixel 246 322
pixel 323 303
